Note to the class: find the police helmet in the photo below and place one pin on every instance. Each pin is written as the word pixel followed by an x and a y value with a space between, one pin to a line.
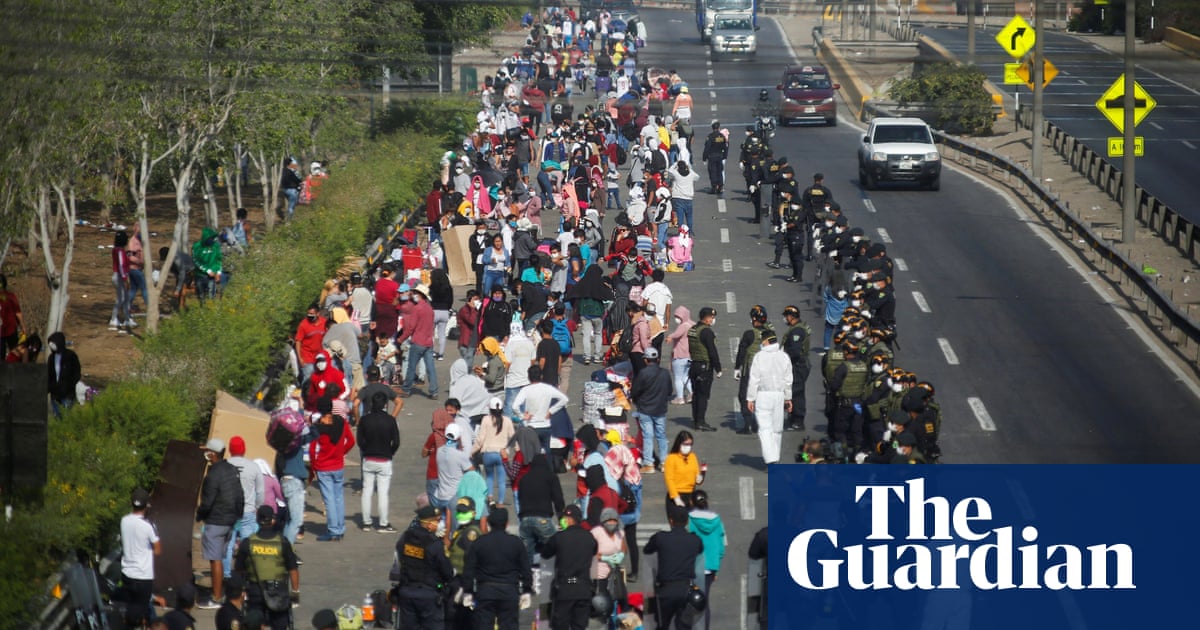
pixel 763 95
pixel 927 386
pixel 791 311
pixel 758 313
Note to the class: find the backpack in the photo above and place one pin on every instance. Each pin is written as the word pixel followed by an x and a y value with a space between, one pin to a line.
pixel 625 342
pixel 629 501
pixel 630 131
pixel 562 334
pixel 285 429
pixel 622 156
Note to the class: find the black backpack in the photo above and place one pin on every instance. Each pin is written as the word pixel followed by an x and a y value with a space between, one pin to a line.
pixel 622 156
pixel 625 342
pixel 630 131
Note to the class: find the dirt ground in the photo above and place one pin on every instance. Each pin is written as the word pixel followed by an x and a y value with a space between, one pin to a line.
pixel 103 353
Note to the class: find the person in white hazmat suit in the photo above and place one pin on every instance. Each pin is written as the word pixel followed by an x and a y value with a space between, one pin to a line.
pixel 769 394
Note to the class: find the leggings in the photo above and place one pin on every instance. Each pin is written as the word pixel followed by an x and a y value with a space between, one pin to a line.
pixel 634 552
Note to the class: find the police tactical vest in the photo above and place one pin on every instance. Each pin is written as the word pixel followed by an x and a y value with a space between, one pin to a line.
pixel 414 566
pixel 855 383
pixel 266 558
pixel 755 346
pixel 696 349
pixel 464 537
pixel 873 409
pixel 833 359
pixel 801 333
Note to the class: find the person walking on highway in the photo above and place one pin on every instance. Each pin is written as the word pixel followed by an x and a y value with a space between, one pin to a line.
pixel 683 190
pixel 220 508
pixel 139 545
pixel 328 456
pixel 676 551
pixel 716 148
pixel 268 567
pixel 682 473
pixel 418 326
pixel 769 394
pixel 706 363
pixel 707 524
pixel 749 345
pixel 651 393
pixel 378 441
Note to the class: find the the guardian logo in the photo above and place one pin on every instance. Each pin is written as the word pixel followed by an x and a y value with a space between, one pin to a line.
pixel 977 555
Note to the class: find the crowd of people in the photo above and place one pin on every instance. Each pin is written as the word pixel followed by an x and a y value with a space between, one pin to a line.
pixel 571 350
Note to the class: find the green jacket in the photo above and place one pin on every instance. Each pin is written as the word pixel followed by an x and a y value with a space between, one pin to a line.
pixel 206 253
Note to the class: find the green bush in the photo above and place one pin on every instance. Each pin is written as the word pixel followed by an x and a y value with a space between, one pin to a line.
pixel 100 451
pixel 955 93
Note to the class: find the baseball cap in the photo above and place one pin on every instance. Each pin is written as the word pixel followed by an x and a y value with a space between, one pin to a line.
pixel 574 512
pixel 264 515
pixel 216 445
pixel 495 403
pixel 426 512
pixel 453 432
pixel 465 504
pixel 650 354
pixel 140 498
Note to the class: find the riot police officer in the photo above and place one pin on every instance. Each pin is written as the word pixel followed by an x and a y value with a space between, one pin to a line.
pixel 467 532
pixel 268 564
pixel 796 343
pixel 794 236
pixel 716 149
pixel 849 382
pixel 748 346
pixel 424 569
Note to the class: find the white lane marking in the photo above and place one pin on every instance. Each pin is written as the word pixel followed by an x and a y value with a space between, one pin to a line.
pixel 730 302
pixel 981 414
pixel 1102 291
pixel 743 611
pixel 708 63
pixel 721 206
pixel 944 344
pixel 710 72
pixel 869 204
pixel 711 83
pixel 713 107
pixel 1156 125
pixel 921 303
pixel 746 494
pixel 884 236
pixel 900 264
pixel 724 235
pixel 726 265
pixel 712 94
pixel 787 41
pixel 1188 145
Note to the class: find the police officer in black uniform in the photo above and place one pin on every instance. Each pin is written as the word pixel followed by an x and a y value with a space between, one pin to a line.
pixel 676 551
pixel 573 549
pixel 266 561
pixel 796 343
pixel 497 578
pixel 783 194
pixel 424 569
pixel 716 148
pixel 795 235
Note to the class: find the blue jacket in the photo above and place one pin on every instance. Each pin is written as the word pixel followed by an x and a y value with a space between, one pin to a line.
pixel 708 526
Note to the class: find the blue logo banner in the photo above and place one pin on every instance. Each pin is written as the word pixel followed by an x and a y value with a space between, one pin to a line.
pixel 982 547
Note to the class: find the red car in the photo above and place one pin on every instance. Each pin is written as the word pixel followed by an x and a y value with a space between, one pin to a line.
pixel 806 94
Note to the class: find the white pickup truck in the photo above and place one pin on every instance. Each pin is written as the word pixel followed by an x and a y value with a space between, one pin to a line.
pixel 901 150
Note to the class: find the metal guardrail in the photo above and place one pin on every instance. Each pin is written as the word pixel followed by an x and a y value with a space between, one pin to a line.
pixel 1160 218
pixel 1176 322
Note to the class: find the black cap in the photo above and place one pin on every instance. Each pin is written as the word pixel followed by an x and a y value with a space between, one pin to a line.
pixel 769 335
pixel 498 519
pixel 573 511
pixel 426 512
pixel 818 177
pixel 876 249
pixel 373 371
pixel 465 504
pixel 140 498
pixel 233 587
pixel 906 439
pixel 265 515
pixel 899 417
pixel 841 220
pixel 185 595
pixel 325 619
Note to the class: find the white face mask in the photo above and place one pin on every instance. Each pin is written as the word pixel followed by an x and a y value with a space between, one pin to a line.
pixel 677 320
pixel 714 322
pixel 893 427
pixel 841 295
pixel 321 365
pixel 855 239
pixel 685 449
pixel 476 304
pixel 877 368
pixel 856 303
pixel 52 346
pixel 897 387
pixel 858 334
pixel 828 224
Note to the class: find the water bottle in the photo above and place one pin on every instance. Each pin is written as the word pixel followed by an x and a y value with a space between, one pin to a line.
pixel 368 609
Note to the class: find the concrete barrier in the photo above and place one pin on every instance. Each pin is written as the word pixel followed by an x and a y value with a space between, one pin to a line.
pixel 855 91
pixel 1185 43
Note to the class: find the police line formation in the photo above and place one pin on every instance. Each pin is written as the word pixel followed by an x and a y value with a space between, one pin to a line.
pixel 582 297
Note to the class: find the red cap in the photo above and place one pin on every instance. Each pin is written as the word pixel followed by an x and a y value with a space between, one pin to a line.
pixel 237 446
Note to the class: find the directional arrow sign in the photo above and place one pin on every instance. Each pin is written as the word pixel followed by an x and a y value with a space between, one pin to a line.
pixel 1025 72
pixel 1017 37
pixel 1112 104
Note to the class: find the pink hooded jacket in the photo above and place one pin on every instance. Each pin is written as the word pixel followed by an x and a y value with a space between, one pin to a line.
pixel 681 246
pixel 678 337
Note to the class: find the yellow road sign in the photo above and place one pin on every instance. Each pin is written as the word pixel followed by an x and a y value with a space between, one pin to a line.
pixel 1017 37
pixel 1010 74
pixel 1112 104
pixel 1025 72
pixel 1116 146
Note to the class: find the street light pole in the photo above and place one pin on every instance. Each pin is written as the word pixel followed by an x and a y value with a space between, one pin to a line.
pixel 1038 72
pixel 1129 198
pixel 971 32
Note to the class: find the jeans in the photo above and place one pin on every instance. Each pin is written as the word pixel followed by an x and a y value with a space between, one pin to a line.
pixel 467 352
pixel 683 208
pixel 679 370
pixel 614 199
pixel 440 319
pixel 510 394
pixel 544 439
pixel 535 530
pixel 418 353
pixel 492 279
pixel 497 476
pixel 137 284
pixel 244 529
pixel 592 329
pixel 293 196
pixel 331 484
pixel 828 334
pixel 293 493
pixel 662 234
pixel 376 473
pixel 120 312
pixel 654 431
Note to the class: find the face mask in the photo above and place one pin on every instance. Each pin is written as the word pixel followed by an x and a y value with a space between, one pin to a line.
pixel 450 442
pixel 321 365
pixel 841 295
pixel 562 523
pixel 312 318
pixel 611 527
pixel 897 387
pixel 483 231
pixel 829 224
pixel 877 368
pixel 677 320
pixel 714 322
pixel 893 427
pixel 414 298
pixel 855 239
pixel 550 303
pixel 476 304
pixel 856 303
pixel 52 346
pixel 685 449
pixel 858 334
pixel 839 230
pixel 512 224
pixel 462 518
pixel 294 404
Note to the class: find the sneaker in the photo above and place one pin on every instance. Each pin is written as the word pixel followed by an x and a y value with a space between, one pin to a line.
pixel 210 604
pixel 677 401
pixel 785 265
pixel 386 529
pixel 648 470
pixel 129 323
pixel 793 279
pixel 366 527
pixel 299 561
pixel 440 357
pixel 773 265
pixel 329 538
pixel 113 324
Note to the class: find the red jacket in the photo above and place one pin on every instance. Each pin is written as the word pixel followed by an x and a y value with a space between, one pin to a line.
pixel 329 382
pixel 328 454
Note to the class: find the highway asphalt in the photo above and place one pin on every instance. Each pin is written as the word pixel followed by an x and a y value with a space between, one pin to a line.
pixel 1030 363
pixel 1085 71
